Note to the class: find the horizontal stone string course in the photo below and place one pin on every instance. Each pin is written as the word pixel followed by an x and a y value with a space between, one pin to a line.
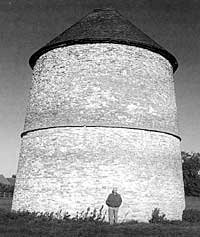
pixel 25 133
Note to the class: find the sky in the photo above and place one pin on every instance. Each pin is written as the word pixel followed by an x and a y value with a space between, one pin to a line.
pixel 27 25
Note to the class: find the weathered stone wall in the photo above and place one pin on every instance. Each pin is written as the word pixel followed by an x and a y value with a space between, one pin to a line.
pixel 75 168
pixel 102 85
pixel 121 90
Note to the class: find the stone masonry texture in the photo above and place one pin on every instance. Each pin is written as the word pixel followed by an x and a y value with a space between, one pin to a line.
pixel 102 85
pixel 101 115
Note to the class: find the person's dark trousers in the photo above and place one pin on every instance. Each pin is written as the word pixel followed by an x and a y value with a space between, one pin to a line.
pixel 113 214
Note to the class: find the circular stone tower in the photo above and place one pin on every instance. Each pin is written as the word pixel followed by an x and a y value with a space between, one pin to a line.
pixel 102 113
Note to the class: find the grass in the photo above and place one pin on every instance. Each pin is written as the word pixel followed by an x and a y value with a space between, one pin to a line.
pixel 26 224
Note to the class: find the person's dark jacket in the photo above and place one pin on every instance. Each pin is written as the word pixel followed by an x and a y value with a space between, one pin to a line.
pixel 114 200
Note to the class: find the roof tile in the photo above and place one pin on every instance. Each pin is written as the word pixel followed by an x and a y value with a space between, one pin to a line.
pixel 104 26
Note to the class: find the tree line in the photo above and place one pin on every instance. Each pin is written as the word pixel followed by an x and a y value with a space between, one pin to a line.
pixel 191 173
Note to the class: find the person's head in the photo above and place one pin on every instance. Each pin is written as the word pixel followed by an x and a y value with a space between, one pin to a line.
pixel 114 190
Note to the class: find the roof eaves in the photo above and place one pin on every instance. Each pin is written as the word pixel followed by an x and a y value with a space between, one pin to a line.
pixel 152 48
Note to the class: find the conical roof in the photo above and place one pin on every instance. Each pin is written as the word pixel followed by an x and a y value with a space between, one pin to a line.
pixel 104 26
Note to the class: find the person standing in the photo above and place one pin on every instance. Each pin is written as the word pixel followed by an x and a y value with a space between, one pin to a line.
pixel 113 202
